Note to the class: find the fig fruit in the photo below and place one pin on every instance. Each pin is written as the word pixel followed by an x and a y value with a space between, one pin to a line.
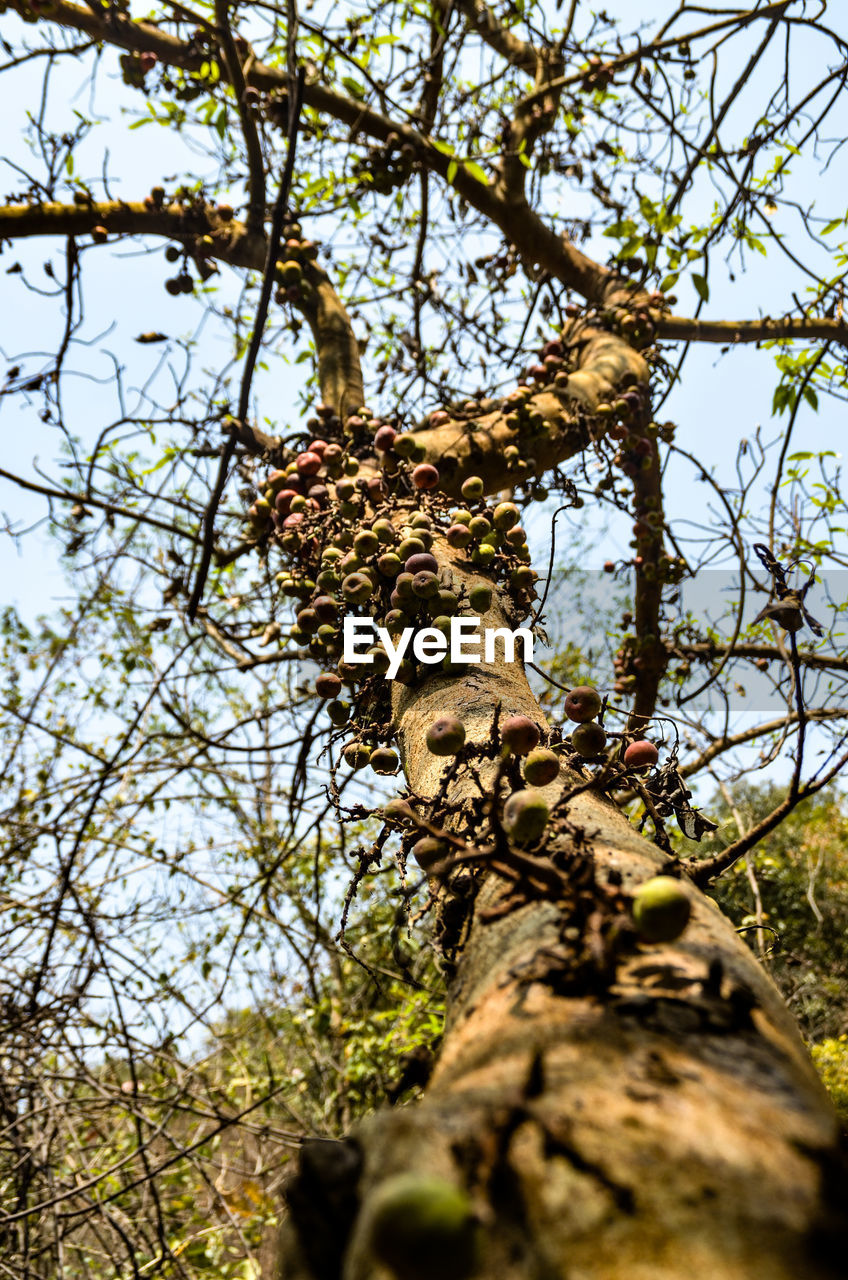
pixel 327 684
pixel 520 734
pixel 428 851
pixel 525 816
pixel 356 754
pixel 384 760
pixel 505 515
pixel 425 476
pixel 641 755
pixel 582 703
pixel 661 909
pixel 446 736
pixel 480 598
pixel 589 739
pixel 357 588
pixel 423 1226
pixel 384 438
pixel 541 766
pixel 421 560
pixel 424 584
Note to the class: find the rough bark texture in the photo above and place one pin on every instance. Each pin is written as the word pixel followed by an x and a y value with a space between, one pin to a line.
pixel 664 1126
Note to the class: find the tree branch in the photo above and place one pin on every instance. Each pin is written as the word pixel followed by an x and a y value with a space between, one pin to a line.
pixel 339 370
pixel 606 365
pixel 517 52
pixel 255 162
pixel 733 332
pixel 755 652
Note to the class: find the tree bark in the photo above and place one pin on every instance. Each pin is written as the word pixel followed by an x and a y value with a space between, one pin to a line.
pixel 654 1118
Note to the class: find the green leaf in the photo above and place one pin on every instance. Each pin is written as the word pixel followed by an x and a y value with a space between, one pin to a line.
pixel 452 170
pixel 476 171
pixel 701 287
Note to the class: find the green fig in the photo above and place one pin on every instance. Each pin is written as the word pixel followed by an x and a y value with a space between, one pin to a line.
pixel 661 909
pixel 525 816
pixel 423 1227
pixel 541 767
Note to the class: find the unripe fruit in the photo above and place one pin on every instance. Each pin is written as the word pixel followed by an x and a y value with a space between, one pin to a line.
pixel 389 564
pixel 447 602
pixel 356 754
pixel 472 489
pixel 366 542
pixel 446 736
pixel 422 560
pixel 327 684
pixel 384 760
pixel 525 816
pixel 403 587
pixel 339 712
pixel 398 809
pixel 289 272
pixel 405 444
pixel 641 755
pixel 357 588
pixel 589 739
pixel 395 621
pixel 425 476
pixel 419 520
pixel 661 909
pixel 384 530
pixel 411 545
pixel 461 516
pixel 483 555
pixel 505 515
pixel 425 584
pixel 379 659
pixel 541 767
pixel 520 734
pixel 423 1226
pixel 480 598
pixel 478 527
pixel 428 851
pixel 582 703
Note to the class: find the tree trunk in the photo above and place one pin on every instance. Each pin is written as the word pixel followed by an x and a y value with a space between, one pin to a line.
pixel 611 1110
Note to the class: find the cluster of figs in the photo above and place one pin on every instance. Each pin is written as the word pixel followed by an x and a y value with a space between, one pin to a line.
pixel 661 906
pixel 359 543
